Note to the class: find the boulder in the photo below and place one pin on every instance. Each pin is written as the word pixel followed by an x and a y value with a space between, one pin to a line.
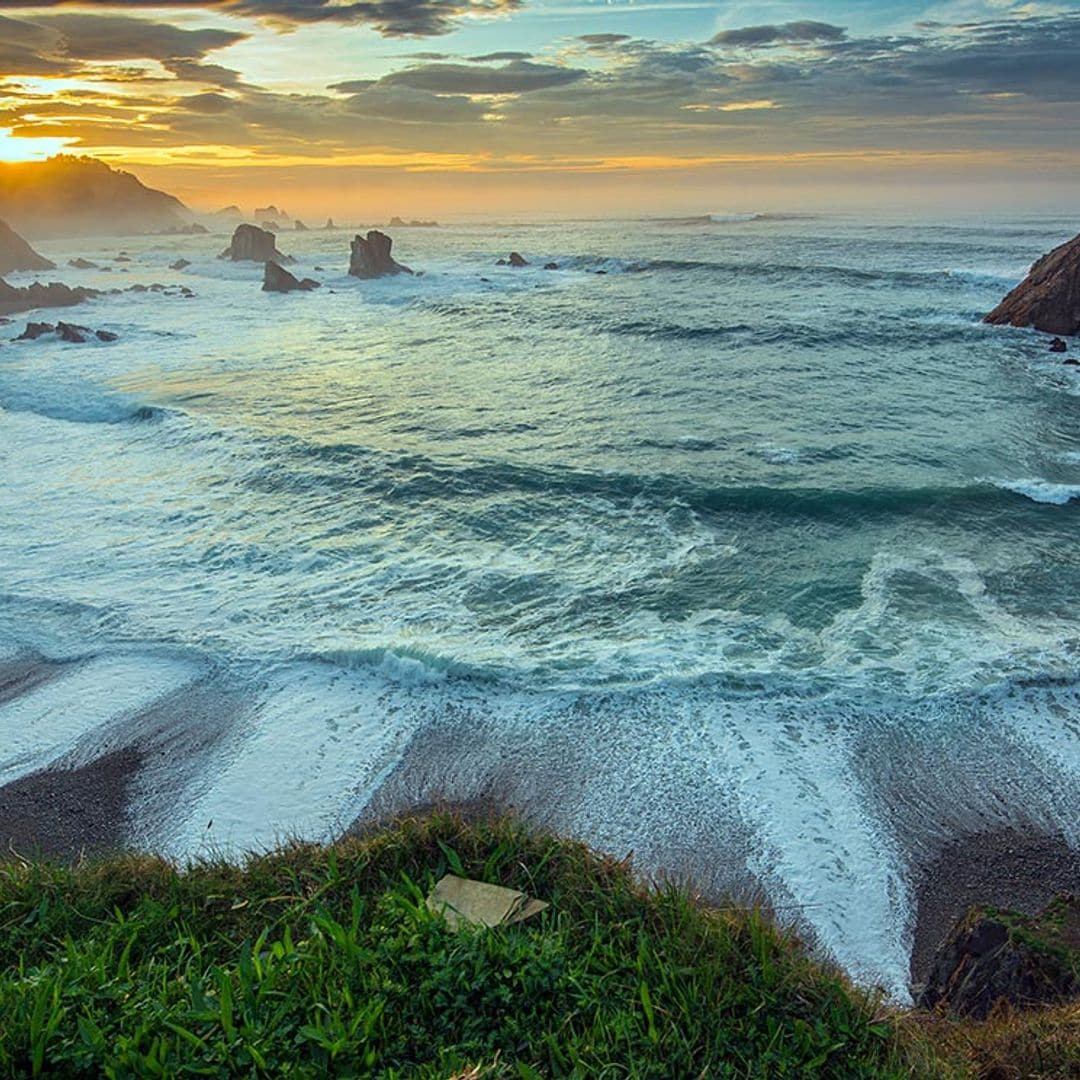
pixel 17 254
pixel 82 264
pixel 517 260
pixel 105 335
pixel 36 295
pixel 371 257
pixel 551 266
pixel 75 335
pixel 180 264
pixel 34 330
pixel 1049 297
pixel 995 955
pixel 1058 345
pixel 277 279
pixel 252 244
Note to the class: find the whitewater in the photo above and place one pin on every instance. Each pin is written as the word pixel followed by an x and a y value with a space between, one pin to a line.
pixel 737 542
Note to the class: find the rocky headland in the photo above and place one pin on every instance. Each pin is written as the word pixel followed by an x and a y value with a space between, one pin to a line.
pixel 16 254
pixel 1048 299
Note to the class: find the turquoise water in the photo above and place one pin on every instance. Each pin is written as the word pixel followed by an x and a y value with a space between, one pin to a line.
pixel 729 542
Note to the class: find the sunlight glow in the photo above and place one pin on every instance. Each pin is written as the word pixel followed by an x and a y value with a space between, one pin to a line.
pixel 14 148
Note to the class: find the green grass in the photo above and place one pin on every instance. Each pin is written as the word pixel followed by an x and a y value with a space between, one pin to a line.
pixel 325 961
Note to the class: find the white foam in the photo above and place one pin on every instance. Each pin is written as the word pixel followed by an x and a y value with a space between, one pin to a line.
pixel 302 767
pixel 1041 491
pixel 44 724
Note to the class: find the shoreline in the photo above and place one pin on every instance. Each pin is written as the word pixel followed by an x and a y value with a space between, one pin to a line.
pixel 84 813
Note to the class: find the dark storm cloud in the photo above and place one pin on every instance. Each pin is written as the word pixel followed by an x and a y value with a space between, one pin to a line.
pixel 392 18
pixel 780 34
pixel 516 77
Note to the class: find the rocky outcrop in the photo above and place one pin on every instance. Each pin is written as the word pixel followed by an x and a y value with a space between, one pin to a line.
pixel 252 244
pixel 329 226
pixel 270 212
pixel 299 226
pixel 82 264
pixel 1058 345
pixel 399 223
pixel 371 257
pixel 180 264
pixel 277 279
pixel 1049 297
pixel 17 254
pixel 55 294
pixel 997 955
pixel 69 332
pixel 517 260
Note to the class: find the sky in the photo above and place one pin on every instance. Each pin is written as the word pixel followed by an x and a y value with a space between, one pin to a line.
pixel 458 107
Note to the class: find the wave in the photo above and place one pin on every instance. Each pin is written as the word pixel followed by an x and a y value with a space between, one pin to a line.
pixel 1041 491
pixel 77 404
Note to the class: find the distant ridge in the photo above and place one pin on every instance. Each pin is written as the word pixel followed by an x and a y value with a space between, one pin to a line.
pixel 81 196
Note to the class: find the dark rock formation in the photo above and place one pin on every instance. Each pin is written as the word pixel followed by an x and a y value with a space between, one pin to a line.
pixel 180 264
pixel 1058 345
pixel 398 223
pixel 329 226
pixel 1049 297
pixel 517 260
pixel 34 330
pixel 271 212
pixel 82 264
pixel 299 226
pixel 55 294
pixel 17 254
pixel 551 266
pixel 105 335
pixel 276 279
pixel 122 258
pixel 75 335
pixel 371 257
pixel 997 955
pixel 252 244
pixel 1072 361
pixel 500 262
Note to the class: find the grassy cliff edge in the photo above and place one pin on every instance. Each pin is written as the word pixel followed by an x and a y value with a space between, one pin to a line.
pixel 317 961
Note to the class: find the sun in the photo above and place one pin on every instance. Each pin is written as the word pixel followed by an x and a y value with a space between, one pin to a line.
pixel 14 148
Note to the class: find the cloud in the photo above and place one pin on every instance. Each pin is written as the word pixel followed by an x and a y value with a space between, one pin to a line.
pixel 603 39
pixel 780 34
pixel 516 77
pixel 392 18
pixel 496 57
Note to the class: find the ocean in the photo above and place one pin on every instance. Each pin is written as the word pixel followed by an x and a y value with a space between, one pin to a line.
pixel 737 542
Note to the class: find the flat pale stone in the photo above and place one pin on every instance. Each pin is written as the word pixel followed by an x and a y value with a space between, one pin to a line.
pixel 464 902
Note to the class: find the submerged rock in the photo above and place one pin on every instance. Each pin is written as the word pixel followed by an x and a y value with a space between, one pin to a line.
pixel 251 244
pixel 105 335
pixel 17 254
pixel 180 264
pixel 1049 297
pixel 551 266
pixel 82 264
pixel 371 257
pixel 997 955
pixel 34 330
pixel 277 279
pixel 1058 345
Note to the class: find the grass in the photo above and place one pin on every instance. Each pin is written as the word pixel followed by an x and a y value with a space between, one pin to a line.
pixel 319 961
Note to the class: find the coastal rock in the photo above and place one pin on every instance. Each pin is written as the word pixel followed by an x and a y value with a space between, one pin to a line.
pixel 180 264
pixel 36 295
pixel 500 262
pixel 271 213
pixel 299 226
pixel 329 226
pixel 252 244
pixel 17 254
pixel 1049 297
pixel 997 955
pixel 105 335
pixel 371 257
pixel 277 279
pixel 1058 345
pixel 551 266
pixel 517 260
pixel 82 264
pixel 75 335
pixel 34 330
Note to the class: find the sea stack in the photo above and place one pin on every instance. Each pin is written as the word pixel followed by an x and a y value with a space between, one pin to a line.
pixel 371 257
pixel 1049 297
pixel 36 295
pixel 252 244
pixel 277 279
pixel 17 254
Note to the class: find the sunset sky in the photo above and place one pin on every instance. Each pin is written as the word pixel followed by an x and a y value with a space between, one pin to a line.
pixel 454 106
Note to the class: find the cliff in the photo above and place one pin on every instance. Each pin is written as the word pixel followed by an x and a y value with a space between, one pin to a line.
pixel 17 254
